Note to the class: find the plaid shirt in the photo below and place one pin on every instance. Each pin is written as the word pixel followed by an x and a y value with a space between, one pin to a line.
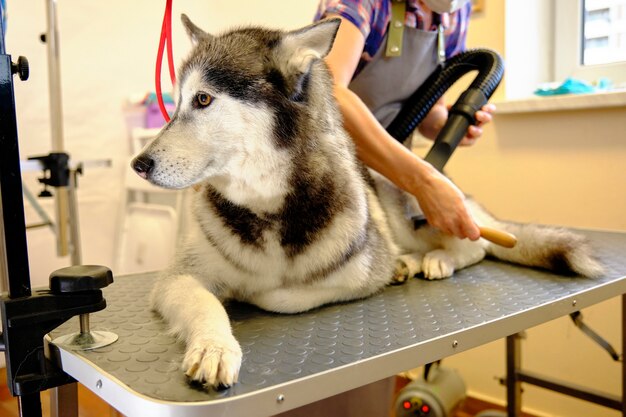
pixel 372 18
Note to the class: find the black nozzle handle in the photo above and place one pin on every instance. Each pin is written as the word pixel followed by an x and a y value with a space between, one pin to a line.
pixel 490 71
pixel 461 116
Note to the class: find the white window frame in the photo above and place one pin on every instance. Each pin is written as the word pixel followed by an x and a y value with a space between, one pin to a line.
pixel 567 49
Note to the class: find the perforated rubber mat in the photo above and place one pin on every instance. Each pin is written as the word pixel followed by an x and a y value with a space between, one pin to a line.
pixel 479 304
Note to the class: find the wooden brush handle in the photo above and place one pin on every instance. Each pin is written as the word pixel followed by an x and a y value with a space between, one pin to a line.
pixel 498 237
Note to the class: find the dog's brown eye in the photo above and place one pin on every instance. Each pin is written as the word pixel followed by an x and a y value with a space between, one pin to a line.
pixel 203 99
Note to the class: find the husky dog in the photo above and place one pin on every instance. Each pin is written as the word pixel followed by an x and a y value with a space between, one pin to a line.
pixel 285 216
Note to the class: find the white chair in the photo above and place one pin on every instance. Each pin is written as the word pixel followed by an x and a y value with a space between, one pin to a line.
pixel 152 218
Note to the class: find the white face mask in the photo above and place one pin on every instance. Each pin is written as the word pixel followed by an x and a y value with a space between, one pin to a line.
pixel 444 6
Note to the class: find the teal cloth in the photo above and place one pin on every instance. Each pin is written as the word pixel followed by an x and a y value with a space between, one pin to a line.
pixel 573 86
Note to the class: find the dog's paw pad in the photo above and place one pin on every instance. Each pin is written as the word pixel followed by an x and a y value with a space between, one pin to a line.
pixel 437 265
pixel 407 266
pixel 400 273
pixel 213 363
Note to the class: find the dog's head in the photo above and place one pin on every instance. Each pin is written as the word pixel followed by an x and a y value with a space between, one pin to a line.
pixel 238 93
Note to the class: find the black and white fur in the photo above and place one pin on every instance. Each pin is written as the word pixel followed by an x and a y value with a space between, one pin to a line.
pixel 285 216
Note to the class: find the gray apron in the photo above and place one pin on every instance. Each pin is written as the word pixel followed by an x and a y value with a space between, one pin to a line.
pixel 386 82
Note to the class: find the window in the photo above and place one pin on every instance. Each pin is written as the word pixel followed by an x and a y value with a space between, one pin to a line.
pixel 604 32
pixel 590 40
pixel 585 39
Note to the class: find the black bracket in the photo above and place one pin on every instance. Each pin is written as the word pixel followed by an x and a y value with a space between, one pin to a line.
pixel 577 318
pixel 26 320
pixel 56 171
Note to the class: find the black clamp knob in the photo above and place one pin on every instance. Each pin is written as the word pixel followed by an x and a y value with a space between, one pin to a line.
pixel 21 68
pixel 75 281
pixel 80 278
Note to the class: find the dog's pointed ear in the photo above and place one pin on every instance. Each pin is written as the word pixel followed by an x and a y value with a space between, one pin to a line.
pixel 306 45
pixel 195 33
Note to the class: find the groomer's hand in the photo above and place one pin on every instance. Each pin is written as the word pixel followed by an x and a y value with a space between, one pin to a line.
pixel 438 115
pixel 483 116
pixel 443 205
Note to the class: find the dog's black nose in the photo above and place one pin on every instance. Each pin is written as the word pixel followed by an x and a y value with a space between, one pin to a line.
pixel 143 165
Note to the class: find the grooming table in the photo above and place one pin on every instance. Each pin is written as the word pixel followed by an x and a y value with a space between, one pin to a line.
pixel 293 360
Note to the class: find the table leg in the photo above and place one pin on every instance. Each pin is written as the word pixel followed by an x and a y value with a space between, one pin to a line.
pixel 29 405
pixel 513 385
pixel 64 401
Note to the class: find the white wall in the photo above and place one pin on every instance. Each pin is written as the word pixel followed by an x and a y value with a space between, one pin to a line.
pixel 531 64
pixel 108 51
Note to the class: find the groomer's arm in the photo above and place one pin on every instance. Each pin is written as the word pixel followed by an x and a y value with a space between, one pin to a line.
pixel 442 202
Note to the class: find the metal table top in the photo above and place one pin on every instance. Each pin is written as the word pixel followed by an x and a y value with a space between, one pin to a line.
pixel 292 360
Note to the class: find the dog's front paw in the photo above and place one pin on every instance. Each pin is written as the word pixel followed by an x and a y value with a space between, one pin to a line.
pixel 437 265
pixel 407 266
pixel 213 362
pixel 400 273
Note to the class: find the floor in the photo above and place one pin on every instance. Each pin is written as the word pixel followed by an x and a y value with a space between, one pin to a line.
pixel 92 406
pixel 89 404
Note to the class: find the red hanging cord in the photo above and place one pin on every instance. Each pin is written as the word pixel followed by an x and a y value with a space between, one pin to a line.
pixel 166 37
pixel 170 54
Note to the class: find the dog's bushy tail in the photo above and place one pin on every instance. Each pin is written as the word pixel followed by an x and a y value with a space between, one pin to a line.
pixel 557 249
pixel 553 248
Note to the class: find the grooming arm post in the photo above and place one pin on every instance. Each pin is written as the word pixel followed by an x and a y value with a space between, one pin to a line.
pixel 61 198
pixel 26 316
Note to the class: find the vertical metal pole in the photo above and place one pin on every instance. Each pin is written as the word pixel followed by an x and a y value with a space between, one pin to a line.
pixel 54 77
pixel 61 201
pixel 513 385
pixel 15 254
pixel 63 401
pixel 623 355
pixel 29 405
pixel 56 122
pixel 84 323
pixel 4 279
pixel 14 248
pixel 75 252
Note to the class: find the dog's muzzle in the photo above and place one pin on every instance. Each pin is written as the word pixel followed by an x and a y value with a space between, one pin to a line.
pixel 143 165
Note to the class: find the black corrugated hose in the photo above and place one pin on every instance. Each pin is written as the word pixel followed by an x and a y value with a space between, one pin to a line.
pixel 490 69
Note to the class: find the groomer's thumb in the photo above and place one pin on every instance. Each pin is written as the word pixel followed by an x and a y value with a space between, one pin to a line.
pixel 472 232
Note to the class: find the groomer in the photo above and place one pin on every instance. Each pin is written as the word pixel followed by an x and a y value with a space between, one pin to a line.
pixel 383 52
